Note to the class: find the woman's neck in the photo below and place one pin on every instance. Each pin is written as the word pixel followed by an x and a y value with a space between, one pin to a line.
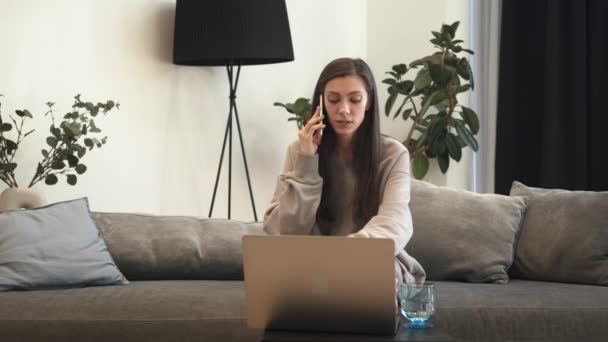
pixel 344 147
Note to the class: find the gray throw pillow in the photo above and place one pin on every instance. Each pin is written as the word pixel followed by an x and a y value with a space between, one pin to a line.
pixel 564 236
pixel 175 247
pixel 462 235
pixel 56 246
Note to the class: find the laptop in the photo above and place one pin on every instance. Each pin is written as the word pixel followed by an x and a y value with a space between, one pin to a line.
pixel 320 284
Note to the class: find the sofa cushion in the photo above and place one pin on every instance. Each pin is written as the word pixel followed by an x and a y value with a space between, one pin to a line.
pixel 170 310
pixel 462 235
pixel 523 310
pixel 175 247
pixel 207 310
pixel 564 236
pixel 55 246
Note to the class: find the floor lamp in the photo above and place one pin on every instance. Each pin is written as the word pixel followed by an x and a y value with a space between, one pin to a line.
pixel 231 33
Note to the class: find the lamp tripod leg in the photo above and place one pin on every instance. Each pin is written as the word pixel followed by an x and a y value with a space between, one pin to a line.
pixel 219 167
pixel 228 134
pixel 238 126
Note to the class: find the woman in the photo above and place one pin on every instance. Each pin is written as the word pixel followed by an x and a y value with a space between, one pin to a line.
pixel 341 177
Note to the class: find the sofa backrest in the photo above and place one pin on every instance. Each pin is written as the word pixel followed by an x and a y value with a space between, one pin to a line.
pixel 149 247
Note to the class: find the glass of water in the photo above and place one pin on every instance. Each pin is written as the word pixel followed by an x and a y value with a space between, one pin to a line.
pixel 417 304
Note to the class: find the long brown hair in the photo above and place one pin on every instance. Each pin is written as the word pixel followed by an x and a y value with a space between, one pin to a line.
pixel 366 146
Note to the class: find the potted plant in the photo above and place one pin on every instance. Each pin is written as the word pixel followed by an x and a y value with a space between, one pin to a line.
pixel 301 109
pixel 69 141
pixel 440 126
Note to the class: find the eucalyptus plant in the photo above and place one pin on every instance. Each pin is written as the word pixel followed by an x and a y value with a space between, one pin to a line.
pixel 67 144
pixel 441 127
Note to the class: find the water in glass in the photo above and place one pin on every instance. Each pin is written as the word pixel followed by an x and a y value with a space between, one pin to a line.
pixel 417 304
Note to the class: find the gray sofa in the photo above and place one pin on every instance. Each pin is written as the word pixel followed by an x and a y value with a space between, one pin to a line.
pixel 186 285
pixel 186 275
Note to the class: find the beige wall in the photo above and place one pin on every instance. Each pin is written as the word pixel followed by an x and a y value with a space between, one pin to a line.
pixel 164 143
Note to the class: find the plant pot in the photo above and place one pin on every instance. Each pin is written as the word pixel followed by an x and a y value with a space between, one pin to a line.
pixel 21 198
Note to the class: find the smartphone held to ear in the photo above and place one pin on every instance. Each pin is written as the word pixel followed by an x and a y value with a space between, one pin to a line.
pixel 321 114
pixel 321 105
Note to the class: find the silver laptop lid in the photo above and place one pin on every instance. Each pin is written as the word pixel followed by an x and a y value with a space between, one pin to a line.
pixel 313 283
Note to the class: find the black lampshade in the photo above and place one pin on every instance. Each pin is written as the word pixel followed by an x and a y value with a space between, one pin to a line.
pixel 217 32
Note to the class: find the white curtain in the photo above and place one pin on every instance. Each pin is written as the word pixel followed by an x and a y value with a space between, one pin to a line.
pixel 485 41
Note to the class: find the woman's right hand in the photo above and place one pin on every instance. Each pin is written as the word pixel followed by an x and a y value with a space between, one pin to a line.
pixel 310 135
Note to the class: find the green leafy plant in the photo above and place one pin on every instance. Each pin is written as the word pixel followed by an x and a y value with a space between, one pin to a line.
pixel 441 127
pixel 300 109
pixel 68 142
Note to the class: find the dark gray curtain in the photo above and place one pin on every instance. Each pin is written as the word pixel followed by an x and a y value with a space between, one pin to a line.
pixel 552 114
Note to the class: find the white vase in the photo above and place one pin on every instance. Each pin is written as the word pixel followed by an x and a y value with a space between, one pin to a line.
pixel 21 198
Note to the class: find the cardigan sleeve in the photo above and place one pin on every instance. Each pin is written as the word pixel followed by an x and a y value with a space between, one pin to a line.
pixel 297 195
pixel 394 220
